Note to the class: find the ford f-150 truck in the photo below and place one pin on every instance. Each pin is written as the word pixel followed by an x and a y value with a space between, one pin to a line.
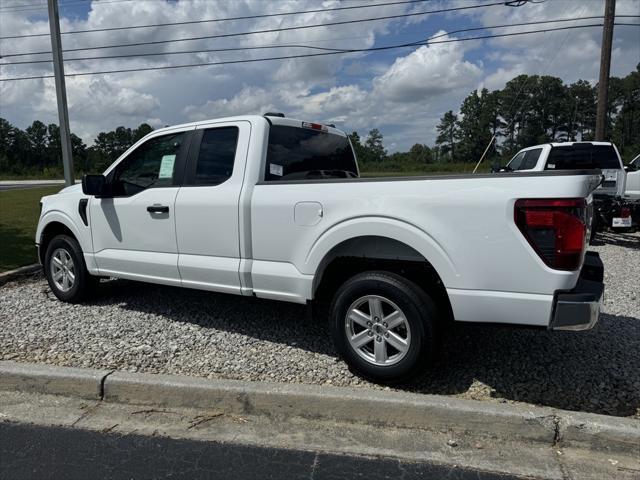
pixel 272 207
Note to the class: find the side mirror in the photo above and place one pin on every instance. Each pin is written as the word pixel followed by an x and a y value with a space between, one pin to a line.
pixel 95 185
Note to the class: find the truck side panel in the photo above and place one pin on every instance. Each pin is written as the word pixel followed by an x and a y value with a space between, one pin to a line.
pixel 464 227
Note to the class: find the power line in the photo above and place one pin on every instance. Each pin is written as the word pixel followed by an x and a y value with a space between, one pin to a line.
pixel 271 30
pixel 549 61
pixel 372 49
pixel 245 17
pixel 263 47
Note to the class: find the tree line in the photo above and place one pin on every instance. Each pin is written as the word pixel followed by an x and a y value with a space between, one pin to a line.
pixel 36 151
pixel 529 110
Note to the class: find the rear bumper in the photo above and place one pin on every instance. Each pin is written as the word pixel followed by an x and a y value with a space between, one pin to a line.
pixel 579 309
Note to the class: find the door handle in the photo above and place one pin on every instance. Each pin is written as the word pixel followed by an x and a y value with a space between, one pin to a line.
pixel 158 209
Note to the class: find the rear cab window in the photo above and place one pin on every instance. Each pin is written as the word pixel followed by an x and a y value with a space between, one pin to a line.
pixel 583 156
pixel 526 160
pixel 216 156
pixel 299 153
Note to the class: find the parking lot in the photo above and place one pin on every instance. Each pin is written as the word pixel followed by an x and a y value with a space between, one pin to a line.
pixel 155 329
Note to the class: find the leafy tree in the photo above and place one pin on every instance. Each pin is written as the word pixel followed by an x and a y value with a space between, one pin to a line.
pixel 375 147
pixel 359 149
pixel 142 130
pixel 625 128
pixel 420 153
pixel 448 133
pixel 37 138
pixel 581 111
pixel 474 126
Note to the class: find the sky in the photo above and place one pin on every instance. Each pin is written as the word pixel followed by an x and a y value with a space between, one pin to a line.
pixel 402 92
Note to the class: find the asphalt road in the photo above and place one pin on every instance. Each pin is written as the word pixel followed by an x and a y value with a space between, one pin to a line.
pixel 24 185
pixel 29 451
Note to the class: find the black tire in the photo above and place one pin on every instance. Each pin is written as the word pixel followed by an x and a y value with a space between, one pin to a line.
pixel 83 282
pixel 417 308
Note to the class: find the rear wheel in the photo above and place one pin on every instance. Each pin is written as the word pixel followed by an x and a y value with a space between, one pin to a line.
pixel 66 271
pixel 384 326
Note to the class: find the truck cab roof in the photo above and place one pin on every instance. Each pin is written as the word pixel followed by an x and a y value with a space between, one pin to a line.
pixel 271 119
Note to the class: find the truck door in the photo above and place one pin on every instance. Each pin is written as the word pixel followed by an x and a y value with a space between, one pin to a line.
pixel 133 230
pixel 207 207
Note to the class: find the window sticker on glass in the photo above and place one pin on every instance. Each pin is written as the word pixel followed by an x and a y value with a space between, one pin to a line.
pixel 275 169
pixel 551 165
pixel 166 166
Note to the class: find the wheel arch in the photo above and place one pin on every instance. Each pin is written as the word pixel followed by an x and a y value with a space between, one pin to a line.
pixel 53 226
pixel 412 239
pixel 375 252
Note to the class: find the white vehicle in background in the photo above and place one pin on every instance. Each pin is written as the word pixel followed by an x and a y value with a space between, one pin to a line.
pixel 271 207
pixel 575 156
pixel 631 199
pixel 633 179
pixel 610 208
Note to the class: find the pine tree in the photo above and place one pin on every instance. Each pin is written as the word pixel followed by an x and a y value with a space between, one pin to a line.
pixel 448 136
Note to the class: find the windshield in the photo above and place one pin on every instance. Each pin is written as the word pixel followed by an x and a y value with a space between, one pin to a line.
pixel 296 153
pixel 583 156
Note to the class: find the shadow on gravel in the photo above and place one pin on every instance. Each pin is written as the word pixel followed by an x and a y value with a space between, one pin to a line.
pixel 619 239
pixel 595 371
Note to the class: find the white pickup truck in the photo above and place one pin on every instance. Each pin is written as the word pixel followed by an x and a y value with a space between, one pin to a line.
pixel 272 207
pixel 575 156
pixel 633 179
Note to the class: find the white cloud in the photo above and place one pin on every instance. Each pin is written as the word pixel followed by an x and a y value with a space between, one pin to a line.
pixel 429 70
pixel 249 100
pixel 404 94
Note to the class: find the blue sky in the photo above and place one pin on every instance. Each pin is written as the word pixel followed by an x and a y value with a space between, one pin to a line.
pixel 402 92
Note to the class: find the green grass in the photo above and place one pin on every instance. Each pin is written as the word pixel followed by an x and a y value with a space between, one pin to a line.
pixel 391 170
pixel 19 213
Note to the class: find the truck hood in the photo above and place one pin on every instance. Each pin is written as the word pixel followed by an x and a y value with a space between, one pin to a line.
pixel 73 189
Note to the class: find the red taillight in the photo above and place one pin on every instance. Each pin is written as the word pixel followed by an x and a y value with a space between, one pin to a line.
pixel 625 212
pixel 555 228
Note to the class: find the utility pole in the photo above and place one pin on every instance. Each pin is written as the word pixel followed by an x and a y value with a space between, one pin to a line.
pixel 61 92
pixel 605 67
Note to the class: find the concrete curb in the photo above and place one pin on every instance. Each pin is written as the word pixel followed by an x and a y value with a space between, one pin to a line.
pixel 37 378
pixel 280 401
pixel 11 274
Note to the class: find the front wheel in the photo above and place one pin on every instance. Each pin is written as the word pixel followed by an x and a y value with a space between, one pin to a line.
pixel 66 271
pixel 383 326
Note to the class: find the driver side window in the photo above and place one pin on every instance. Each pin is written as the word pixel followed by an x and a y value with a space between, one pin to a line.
pixel 151 165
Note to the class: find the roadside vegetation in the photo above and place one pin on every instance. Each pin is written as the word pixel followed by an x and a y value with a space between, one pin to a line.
pixel 529 110
pixel 19 213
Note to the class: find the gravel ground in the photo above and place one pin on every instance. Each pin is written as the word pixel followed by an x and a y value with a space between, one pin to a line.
pixel 147 328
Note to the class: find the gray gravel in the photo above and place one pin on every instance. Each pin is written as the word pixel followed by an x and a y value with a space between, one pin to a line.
pixel 147 328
